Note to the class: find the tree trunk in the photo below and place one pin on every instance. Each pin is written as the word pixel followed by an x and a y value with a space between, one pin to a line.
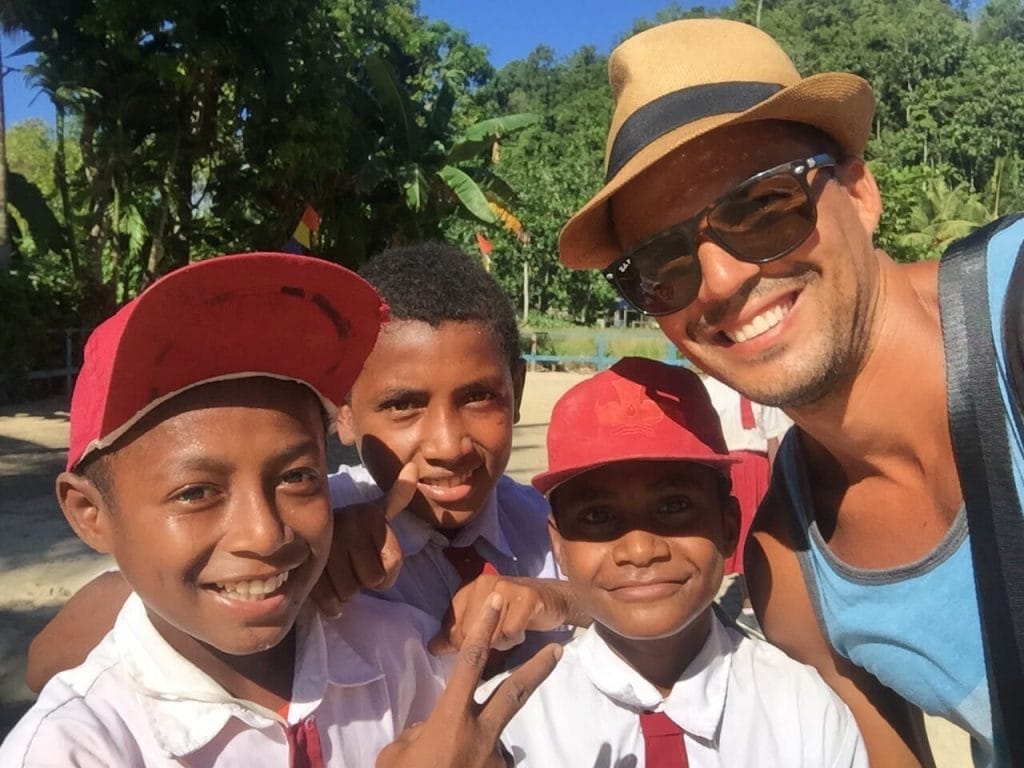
pixel 60 178
pixel 5 234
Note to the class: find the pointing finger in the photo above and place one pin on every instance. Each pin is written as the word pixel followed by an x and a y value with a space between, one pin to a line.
pixel 457 698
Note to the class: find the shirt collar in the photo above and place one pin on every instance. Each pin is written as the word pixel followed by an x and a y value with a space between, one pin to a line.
pixel 414 534
pixel 186 708
pixel 696 702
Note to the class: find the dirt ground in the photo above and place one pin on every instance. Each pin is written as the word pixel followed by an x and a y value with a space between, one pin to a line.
pixel 42 562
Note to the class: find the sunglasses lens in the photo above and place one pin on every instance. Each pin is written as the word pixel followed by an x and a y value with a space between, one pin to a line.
pixel 764 220
pixel 759 221
pixel 663 274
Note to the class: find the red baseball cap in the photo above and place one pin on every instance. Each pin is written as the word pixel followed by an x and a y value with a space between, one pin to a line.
pixel 637 410
pixel 256 314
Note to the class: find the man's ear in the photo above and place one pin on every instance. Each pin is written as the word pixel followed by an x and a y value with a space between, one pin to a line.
pixel 87 512
pixel 730 526
pixel 518 385
pixel 346 424
pixel 860 184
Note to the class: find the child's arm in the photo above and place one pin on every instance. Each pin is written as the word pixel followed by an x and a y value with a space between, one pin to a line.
pixel 459 732
pixel 528 604
pixel 76 629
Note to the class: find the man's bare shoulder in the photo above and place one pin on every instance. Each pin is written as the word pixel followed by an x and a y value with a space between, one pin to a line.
pixel 775 516
pixel 776 583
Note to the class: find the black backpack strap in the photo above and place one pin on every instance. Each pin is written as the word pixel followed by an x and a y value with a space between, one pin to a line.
pixel 977 418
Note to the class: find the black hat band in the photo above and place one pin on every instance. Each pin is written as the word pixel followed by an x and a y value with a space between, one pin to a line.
pixel 676 109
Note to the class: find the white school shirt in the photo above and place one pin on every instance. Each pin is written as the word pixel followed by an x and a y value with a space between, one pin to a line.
pixel 510 532
pixel 741 702
pixel 769 422
pixel 359 679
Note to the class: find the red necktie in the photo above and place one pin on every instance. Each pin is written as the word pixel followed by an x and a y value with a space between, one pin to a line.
pixel 468 562
pixel 304 748
pixel 747 413
pixel 663 741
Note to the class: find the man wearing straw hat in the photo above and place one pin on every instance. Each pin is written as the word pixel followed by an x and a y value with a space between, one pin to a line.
pixel 737 209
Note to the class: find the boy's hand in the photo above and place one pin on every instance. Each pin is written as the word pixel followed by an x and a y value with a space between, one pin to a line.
pixel 365 552
pixel 527 604
pixel 459 732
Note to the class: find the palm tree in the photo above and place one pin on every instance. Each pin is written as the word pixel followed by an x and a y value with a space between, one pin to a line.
pixel 435 169
pixel 943 214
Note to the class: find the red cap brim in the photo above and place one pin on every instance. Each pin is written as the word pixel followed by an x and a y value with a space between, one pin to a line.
pixel 279 315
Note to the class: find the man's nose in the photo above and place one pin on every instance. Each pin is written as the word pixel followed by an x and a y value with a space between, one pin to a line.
pixel 722 274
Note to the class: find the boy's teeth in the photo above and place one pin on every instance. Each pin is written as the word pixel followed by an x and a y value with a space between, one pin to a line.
pixel 763 322
pixel 255 589
pixel 447 482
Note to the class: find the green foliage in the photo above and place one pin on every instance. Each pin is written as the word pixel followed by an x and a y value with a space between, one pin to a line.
pixel 186 129
pixel 38 221
pixel 942 214
pixel 554 167
pixel 28 313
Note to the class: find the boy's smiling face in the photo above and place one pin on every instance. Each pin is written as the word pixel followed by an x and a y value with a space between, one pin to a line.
pixel 643 543
pixel 444 399
pixel 218 513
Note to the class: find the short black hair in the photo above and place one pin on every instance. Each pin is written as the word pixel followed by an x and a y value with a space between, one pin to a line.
pixel 95 468
pixel 435 282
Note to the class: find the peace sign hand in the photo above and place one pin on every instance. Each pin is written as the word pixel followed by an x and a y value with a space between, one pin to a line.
pixel 459 732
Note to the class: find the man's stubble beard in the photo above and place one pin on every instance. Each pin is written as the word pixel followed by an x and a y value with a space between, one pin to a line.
pixel 825 369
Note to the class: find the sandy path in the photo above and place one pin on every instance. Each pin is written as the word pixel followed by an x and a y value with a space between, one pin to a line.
pixel 42 562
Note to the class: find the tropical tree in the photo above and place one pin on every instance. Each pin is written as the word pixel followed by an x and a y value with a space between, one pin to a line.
pixel 554 167
pixel 420 163
pixel 943 213
pixel 208 128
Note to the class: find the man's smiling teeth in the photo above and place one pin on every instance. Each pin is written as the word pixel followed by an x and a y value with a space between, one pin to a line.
pixel 255 589
pixel 763 322
pixel 447 482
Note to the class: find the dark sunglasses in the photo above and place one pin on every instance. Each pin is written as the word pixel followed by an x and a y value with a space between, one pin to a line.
pixel 758 221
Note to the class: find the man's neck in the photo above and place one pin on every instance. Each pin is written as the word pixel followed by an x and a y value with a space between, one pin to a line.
pixel 661 661
pixel 878 447
pixel 893 408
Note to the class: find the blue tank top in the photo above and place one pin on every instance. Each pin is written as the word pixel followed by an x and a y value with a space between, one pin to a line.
pixel 915 627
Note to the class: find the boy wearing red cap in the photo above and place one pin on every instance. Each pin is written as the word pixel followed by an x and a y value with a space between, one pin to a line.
pixel 197 459
pixel 440 391
pixel 642 520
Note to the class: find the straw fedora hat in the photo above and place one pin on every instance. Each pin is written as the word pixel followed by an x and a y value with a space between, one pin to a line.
pixel 677 81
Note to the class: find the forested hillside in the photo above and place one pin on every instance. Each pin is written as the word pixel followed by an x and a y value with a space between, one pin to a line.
pixel 187 129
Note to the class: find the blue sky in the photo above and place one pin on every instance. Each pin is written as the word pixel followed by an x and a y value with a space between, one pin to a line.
pixel 509 30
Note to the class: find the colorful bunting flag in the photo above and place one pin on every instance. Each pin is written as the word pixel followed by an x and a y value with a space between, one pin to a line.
pixel 302 238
